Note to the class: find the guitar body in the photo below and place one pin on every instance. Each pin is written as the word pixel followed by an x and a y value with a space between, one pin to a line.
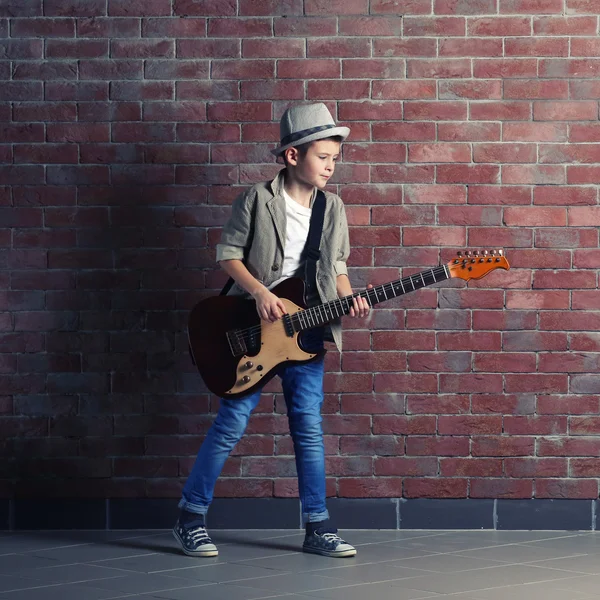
pixel 231 372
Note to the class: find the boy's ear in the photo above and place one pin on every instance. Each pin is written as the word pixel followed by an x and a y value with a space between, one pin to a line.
pixel 292 156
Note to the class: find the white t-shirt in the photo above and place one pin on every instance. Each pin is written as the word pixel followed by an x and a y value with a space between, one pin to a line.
pixel 296 232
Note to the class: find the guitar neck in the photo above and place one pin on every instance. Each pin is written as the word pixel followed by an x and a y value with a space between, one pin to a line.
pixel 327 312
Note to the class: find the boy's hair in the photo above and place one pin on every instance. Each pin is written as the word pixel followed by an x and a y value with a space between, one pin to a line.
pixel 303 148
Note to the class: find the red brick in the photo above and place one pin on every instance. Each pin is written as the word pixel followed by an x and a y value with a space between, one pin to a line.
pixel 139 8
pixel 537 299
pixel 584 341
pixel 475 341
pixel 503 153
pixel 77 49
pixel 583 467
pixel 469 132
pixel 434 26
pixel 439 153
pixel 581 6
pixel 338 90
pixel 504 404
pixel 583 216
pixel 435 488
pixel 437 403
pixel 531 6
pixel 471 467
pixel 404 7
pixel 585 300
pixel 269 7
pixel 375 68
pixel 273 48
pixel 298 26
pixel 535 132
pixel 565 238
pixel 448 68
pixel 565 111
pixel 569 25
pixel 575 67
pixel 23 49
pixel 570 405
pixel 565 488
pixel 205 90
pixel 536 467
pixel 536 89
pixel 78 132
pixel 501 111
pixel 309 69
pixel 165 27
pixel 183 69
pixel 142 48
pixel 536 382
pixel 370 26
pixel 403 466
pixel 502 446
pixel 582 90
pixel 186 8
pixel 475 90
pixel 470 47
pixel 403 131
pixel 504 68
pixel 464 383
pixel 539 175
pixel 437 446
pixel 564 195
pixel 500 488
pixel 564 279
pixel 404 47
pixel 498 26
pixel 44 28
pixel 368 488
pixel 468 174
pixel 108 27
pixel 85 90
pixel 537 47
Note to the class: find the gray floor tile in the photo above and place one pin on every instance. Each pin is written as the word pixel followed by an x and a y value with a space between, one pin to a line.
pixel 269 564
pixel 482 579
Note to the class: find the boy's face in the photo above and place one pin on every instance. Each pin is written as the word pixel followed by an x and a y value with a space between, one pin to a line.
pixel 317 166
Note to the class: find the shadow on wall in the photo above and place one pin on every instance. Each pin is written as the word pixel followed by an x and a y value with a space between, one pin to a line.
pixel 122 410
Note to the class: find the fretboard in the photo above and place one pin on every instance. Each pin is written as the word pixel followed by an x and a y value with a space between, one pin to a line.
pixel 327 312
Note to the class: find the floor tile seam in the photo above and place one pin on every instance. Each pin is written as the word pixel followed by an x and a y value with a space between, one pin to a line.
pixel 53 584
pixel 98 560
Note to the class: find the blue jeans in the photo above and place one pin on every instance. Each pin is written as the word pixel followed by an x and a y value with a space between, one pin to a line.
pixel 303 392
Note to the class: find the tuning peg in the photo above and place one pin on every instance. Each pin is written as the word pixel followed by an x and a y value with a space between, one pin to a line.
pixel 459 253
pixel 467 253
pixel 476 253
pixel 500 252
pixel 485 252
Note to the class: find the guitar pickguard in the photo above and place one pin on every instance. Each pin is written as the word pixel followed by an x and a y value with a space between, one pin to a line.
pixel 276 347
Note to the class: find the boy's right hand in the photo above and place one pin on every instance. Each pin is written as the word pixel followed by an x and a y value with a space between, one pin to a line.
pixel 268 306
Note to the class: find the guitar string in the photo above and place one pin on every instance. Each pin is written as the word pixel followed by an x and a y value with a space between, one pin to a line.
pixel 392 286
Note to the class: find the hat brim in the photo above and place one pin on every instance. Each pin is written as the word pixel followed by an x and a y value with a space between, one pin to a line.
pixel 343 132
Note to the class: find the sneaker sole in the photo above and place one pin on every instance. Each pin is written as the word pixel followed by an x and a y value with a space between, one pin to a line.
pixel 332 554
pixel 203 553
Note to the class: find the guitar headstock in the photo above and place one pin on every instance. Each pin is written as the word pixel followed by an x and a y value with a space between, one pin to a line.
pixel 475 264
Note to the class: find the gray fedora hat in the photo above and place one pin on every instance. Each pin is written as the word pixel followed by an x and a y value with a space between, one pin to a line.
pixel 306 123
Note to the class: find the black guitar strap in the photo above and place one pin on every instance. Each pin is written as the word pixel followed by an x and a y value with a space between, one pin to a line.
pixel 311 251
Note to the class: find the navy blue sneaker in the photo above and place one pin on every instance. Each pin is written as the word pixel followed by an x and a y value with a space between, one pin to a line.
pixel 194 540
pixel 327 542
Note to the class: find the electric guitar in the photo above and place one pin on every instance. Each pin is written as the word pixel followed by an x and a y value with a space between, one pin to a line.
pixel 236 352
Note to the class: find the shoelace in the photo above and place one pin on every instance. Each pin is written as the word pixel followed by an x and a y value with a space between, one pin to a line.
pixel 199 534
pixel 330 535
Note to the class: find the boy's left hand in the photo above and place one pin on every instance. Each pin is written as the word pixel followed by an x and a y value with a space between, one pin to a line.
pixel 360 307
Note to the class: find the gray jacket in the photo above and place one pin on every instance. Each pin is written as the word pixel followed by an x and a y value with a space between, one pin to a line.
pixel 255 234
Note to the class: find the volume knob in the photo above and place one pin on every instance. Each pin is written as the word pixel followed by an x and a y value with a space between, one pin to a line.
pixel 245 379
pixel 249 364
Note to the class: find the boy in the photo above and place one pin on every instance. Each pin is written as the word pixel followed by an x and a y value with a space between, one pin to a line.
pixel 262 244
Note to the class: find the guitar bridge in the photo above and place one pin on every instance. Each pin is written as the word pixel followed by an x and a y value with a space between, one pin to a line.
pixel 244 341
pixel 237 344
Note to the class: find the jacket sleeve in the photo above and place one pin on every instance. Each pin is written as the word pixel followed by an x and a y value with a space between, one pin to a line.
pixel 237 232
pixel 343 250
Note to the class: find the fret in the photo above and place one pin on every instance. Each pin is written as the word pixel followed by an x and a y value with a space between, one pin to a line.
pixel 433 273
pixel 423 280
pixel 403 290
pixel 412 283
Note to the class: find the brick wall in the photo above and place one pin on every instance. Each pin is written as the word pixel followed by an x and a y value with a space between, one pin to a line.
pixel 127 127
